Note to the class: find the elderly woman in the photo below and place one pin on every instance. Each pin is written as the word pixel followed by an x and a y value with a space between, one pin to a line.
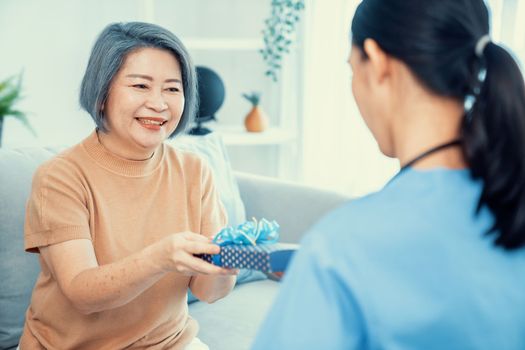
pixel 435 260
pixel 118 218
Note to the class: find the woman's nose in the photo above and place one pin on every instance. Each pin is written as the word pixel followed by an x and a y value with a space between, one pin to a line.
pixel 156 102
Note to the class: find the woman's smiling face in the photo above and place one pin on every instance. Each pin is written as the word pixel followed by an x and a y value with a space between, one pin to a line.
pixel 144 104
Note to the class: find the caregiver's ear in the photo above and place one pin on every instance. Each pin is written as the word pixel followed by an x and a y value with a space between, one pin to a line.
pixel 379 60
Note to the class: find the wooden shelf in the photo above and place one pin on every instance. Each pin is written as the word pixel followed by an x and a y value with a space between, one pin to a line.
pixel 238 136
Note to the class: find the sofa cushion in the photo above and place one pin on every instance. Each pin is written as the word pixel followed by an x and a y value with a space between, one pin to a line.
pixel 18 270
pixel 232 323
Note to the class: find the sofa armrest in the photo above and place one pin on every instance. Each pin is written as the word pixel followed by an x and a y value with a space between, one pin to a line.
pixel 294 207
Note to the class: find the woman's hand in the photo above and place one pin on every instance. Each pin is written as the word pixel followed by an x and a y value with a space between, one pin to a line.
pixel 208 282
pixel 177 252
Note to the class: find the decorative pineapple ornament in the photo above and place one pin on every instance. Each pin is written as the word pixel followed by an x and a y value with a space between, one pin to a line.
pixel 256 120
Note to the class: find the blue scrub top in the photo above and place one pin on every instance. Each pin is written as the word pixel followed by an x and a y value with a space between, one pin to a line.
pixel 409 267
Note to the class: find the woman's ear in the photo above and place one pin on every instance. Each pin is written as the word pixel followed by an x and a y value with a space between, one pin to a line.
pixel 379 60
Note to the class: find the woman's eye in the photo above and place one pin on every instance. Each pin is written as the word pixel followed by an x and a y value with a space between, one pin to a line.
pixel 173 89
pixel 140 86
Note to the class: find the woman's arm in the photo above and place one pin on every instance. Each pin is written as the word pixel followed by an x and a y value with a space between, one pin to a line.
pixel 93 288
pixel 210 288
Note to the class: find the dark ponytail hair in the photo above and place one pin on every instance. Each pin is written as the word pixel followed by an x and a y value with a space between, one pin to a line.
pixel 437 41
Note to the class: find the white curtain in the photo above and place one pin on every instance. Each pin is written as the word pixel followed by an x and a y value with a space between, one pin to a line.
pixel 339 152
pixel 508 26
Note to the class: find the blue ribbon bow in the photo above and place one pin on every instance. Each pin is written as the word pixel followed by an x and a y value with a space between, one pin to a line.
pixel 249 233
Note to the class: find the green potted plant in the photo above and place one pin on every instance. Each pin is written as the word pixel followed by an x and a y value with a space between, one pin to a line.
pixel 9 95
pixel 278 33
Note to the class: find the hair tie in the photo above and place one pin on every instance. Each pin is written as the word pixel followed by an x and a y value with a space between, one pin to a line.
pixel 481 44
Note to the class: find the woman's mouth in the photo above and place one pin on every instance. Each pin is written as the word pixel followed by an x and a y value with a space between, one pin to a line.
pixel 152 123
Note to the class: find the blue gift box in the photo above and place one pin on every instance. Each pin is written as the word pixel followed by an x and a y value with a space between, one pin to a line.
pixel 273 257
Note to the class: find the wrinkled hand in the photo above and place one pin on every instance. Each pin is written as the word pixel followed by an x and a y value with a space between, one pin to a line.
pixel 176 253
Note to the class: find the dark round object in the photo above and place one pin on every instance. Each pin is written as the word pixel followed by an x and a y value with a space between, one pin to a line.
pixel 211 97
pixel 211 93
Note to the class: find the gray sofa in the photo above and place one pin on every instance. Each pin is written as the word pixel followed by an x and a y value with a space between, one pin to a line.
pixel 230 323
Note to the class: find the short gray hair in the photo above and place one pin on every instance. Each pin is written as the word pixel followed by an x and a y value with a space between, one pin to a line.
pixel 113 45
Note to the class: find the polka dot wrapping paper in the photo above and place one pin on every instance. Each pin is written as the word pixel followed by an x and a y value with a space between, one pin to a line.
pixel 263 257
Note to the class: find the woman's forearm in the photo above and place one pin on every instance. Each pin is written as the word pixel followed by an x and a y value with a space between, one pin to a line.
pixel 93 288
pixel 210 288
pixel 113 285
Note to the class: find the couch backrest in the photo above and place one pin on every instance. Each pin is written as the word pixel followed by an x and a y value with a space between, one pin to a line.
pixel 18 270
pixel 295 207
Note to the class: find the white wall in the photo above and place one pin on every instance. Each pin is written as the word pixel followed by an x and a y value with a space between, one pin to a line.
pixel 51 41
pixel 242 70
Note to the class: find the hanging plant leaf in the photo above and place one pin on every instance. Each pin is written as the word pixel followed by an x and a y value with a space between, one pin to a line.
pixel 278 33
